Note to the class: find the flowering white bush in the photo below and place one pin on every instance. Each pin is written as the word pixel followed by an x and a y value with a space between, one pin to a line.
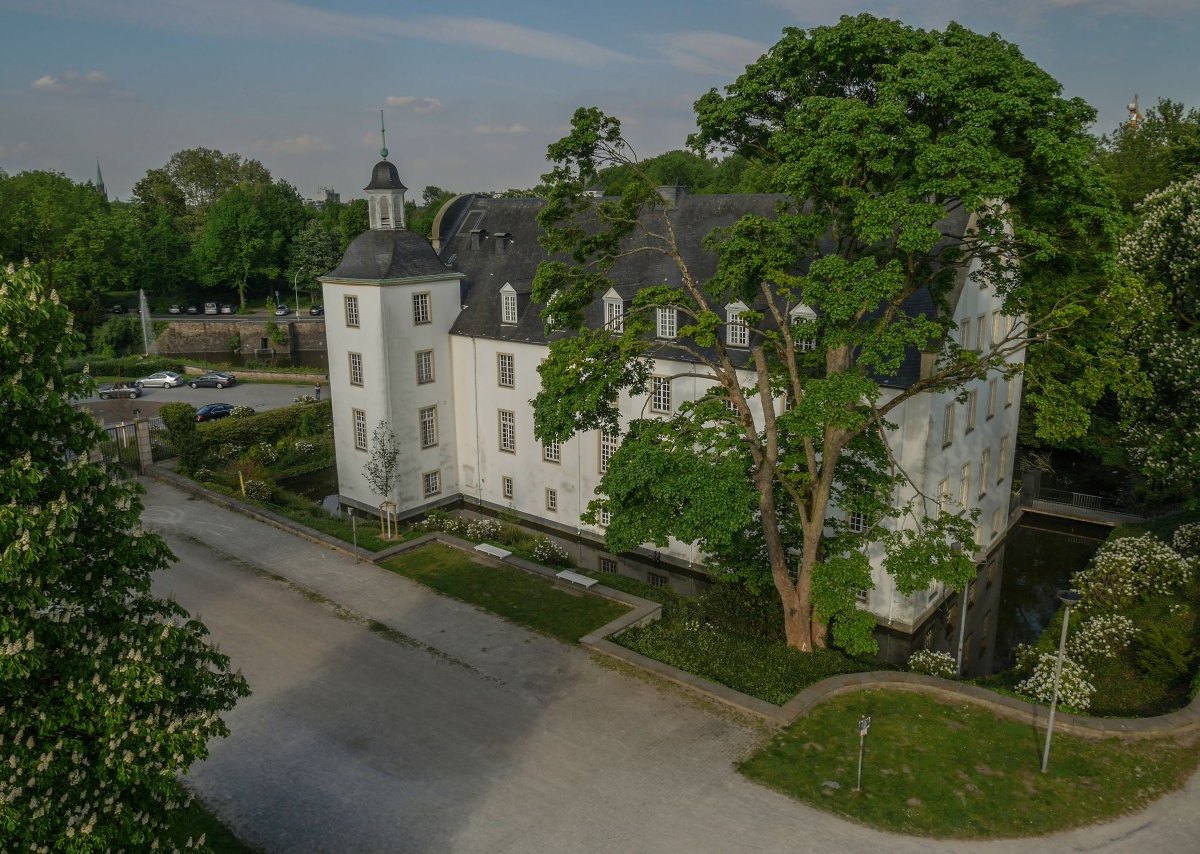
pixel 1074 687
pixel 545 550
pixel 483 529
pixel 259 490
pixel 1101 636
pixel 933 663
pixel 304 446
pixel 204 474
pixel 229 451
pixel 441 521
pixel 1124 569
pixel 1187 539
pixel 265 451
pixel 241 411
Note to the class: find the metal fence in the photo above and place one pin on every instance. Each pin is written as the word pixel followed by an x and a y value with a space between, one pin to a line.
pixel 1081 499
pixel 160 441
pixel 119 447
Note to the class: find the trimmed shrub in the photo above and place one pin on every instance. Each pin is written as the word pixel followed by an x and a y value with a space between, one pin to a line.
pixel 1164 654
pixel 130 366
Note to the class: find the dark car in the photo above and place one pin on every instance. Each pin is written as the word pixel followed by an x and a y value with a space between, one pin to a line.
pixel 213 379
pixel 213 411
pixel 191 309
pixel 317 311
pixel 119 390
pixel 119 309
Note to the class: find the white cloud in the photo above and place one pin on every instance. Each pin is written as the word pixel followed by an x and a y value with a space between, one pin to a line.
pixel 74 83
pixel 709 53
pixel 416 103
pixel 302 144
pixel 488 130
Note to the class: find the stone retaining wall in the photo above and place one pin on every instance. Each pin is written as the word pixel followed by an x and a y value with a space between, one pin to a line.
pixel 213 334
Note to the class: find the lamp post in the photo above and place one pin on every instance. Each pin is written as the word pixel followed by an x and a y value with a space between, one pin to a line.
pixel 296 287
pixel 1068 598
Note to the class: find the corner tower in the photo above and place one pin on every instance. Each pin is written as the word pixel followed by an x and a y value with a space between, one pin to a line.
pixel 385 193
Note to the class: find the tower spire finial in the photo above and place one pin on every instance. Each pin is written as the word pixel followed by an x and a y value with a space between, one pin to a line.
pixel 382 136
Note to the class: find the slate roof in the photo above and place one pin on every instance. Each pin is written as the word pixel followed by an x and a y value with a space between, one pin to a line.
pixel 385 176
pixel 385 253
pixel 472 240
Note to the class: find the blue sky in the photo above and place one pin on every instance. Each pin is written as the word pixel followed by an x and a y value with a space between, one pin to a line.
pixel 472 93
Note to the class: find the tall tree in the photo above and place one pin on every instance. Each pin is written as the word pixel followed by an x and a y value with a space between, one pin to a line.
pixel 108 693
pixel 874 130
pixel 38 213
pixel 237 243
pixel 314 252
pixel 203 174
pixel 1145 157
pixel 162 217
pixel 354 220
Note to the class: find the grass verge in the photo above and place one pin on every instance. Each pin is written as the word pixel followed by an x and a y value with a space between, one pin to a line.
pixel 511 593
pixel 760 667
pixel 196 821
pixel 935 769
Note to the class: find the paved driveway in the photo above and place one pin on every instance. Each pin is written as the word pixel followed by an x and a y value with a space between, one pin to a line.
pixel 261 396
pixel 451 730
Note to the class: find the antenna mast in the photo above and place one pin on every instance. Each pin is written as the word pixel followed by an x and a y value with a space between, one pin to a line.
pixel 1135 115
pixel 382 136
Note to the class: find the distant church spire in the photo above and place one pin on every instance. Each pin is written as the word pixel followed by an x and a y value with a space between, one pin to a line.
pixel 100 182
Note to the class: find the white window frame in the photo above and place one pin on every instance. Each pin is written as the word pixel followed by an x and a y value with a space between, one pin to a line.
pixel 609 442
pixel 798 313
pixel 506 486
pixel 737 333
pixel 1002 462
pixel 997 328
pixel 508 305
pixel 551 500
pixel 427 422
pixel 964 486
pixel 350 303
pixel 508 430
pixel 964 333
pixel 422 306
pixel 667 325
pixel 948 424
pixel 972 399
pixel 506 371
pixel 359 419
pixel 603 520
pixel 997 521
pixel 985 471
pixel 981 337
pixel 552 452
pixel 660 394
pixel 614 314
pixel 425 373
pixel 944 495
pixel 431 483
pixel 992 395
pixel 356 368
pixel 1010 391
pixel 606 564
pixel 856 522
pixel 657 579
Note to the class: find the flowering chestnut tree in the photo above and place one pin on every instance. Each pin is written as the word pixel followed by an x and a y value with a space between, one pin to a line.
pixel 107 693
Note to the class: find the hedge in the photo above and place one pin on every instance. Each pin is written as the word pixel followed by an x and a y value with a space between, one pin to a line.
pixel 126 366
pixel 302 419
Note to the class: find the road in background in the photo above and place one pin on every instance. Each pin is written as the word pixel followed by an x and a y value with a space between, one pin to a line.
pixel 260 396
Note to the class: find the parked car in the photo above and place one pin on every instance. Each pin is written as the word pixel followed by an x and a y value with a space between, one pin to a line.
pixel 281 310
pixel 317 311
pixel 175 309
pixel 226 308
pixel 213 379
pixel 162 379
pixel 119 309
pixel 191 309
pixel 210 308
pixel 213 411
pixel 120 390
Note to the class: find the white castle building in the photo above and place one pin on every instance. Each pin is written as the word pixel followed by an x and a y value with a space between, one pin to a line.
pixel 442 340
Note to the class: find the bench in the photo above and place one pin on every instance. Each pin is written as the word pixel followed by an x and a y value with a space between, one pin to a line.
pixel 576 578
pixel 494 551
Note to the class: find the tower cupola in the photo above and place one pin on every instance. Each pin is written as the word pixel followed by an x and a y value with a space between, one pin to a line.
pixel 385 193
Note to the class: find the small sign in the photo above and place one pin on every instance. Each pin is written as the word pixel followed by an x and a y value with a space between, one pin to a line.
pixel 864 725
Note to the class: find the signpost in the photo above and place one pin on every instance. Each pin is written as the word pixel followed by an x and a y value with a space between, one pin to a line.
pixel 864 726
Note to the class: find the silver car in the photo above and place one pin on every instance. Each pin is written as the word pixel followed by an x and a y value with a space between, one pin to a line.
pixel 162 379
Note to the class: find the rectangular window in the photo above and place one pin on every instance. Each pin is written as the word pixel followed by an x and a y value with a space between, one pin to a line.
pixel 429 430
pixel 431 483
pixel 506 485
pixel 356 372
pixel 421 308
pixel 997 328
pixel 614 315
pixel 667 322
pixel 505 372
pixel 964 334
pixel 964 486
pixel 738 334
pixel 985 471
pixel 607 564
pixel 552 452
pixel 660 397
pixel 424 366
pixel 944 496
pixel 992 385
pixel 981 338
pixel 948 424
pixel 978 535
pixel 857 522
pixel 360 429
pixel 1010 392
pixel 552 500
pixel 656 580
pixel 351 303
pixel 997 521
pixel 860 596
pixel 508 311
pixel 608 446
pixel 604 519
pixel 1002 463
pixel 508 431
pixel 972 397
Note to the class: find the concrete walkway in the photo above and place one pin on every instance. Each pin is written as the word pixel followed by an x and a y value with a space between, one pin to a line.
pixel 387 718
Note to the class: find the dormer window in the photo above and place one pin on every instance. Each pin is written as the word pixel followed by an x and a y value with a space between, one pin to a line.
pixel 804 315
pixel 508 304
pixel 737 333
pixel 614 312
pixel 668 323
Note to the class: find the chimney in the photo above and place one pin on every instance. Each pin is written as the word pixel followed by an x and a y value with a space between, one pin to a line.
pixel 478 235
pixel 503 239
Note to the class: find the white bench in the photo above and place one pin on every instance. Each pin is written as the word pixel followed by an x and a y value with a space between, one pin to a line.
pixel 576 578
pixel 494 551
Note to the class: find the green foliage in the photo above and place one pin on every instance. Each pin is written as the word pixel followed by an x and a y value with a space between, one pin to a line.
pixel 108 693
pixel 277 333
pixel 132 367
pixel 1162 149
pixel 1164 653
pixel 180 421
pixel 117 336
pixel 270 426
pixel 383 466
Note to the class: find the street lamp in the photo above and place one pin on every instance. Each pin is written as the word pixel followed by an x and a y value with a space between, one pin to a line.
pixel 1068 598
pixel 296 287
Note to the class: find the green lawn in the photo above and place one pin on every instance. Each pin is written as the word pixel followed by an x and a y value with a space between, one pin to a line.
pixel 197 821
pixel 516 595
pixel 934 769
